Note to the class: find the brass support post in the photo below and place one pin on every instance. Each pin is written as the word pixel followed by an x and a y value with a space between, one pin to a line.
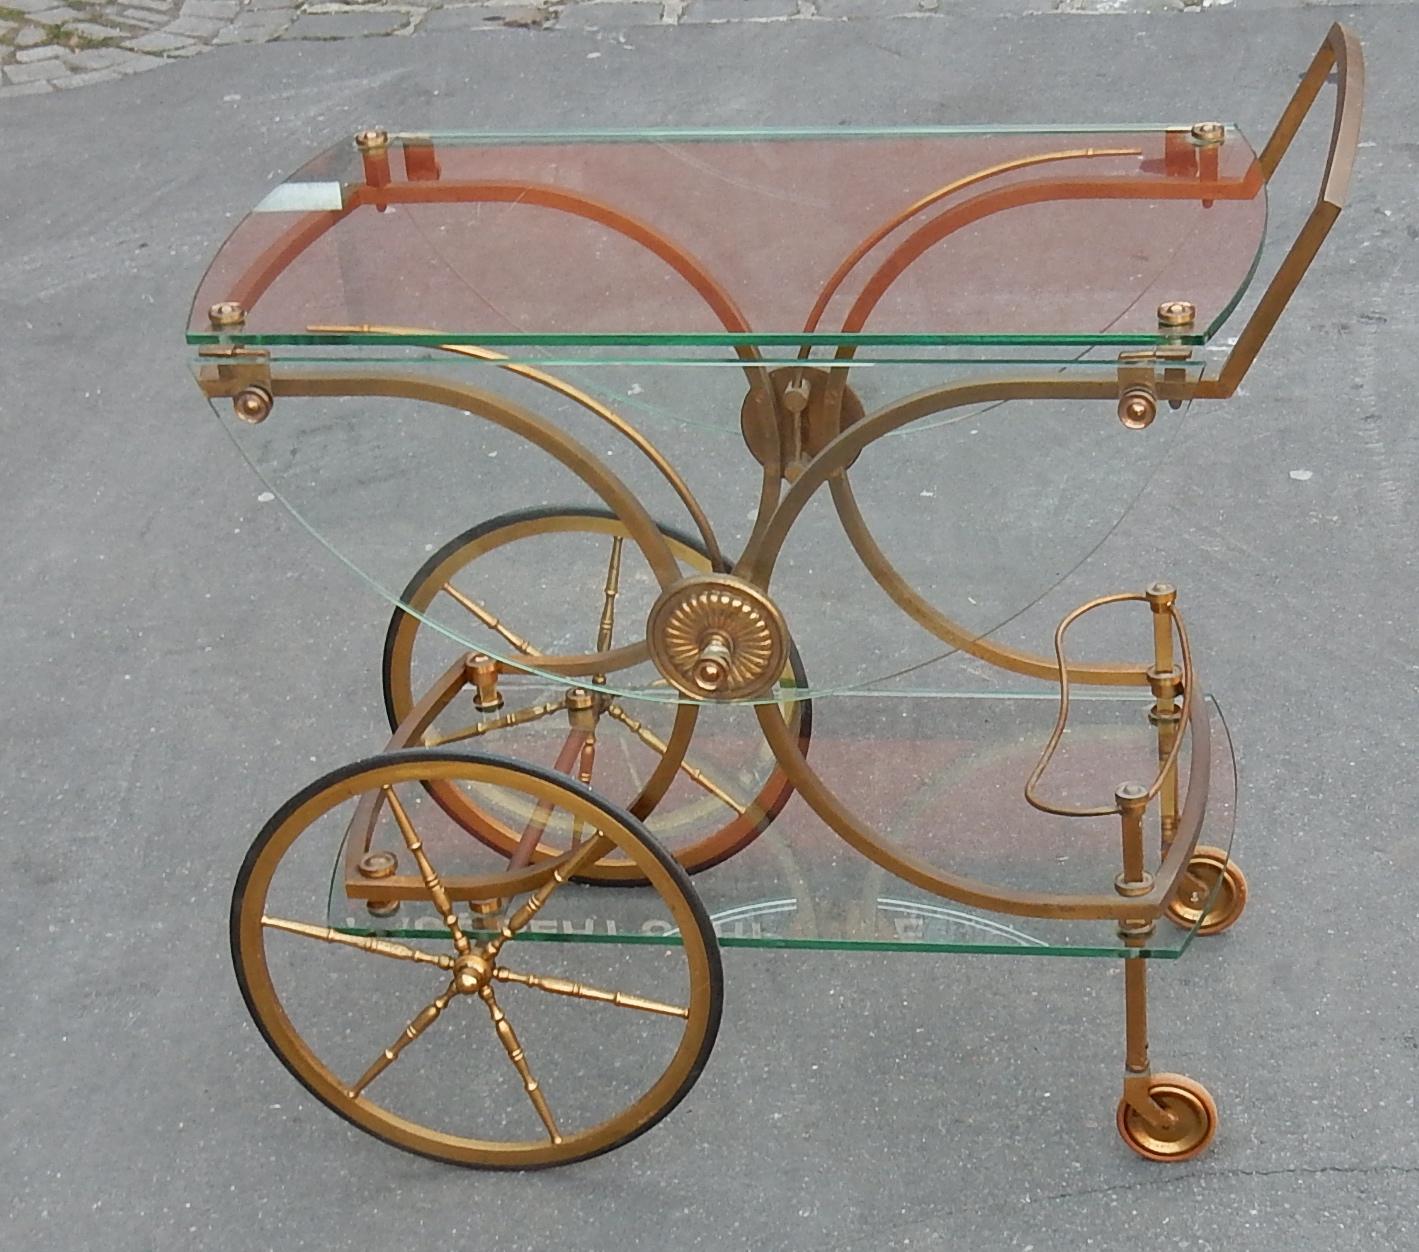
pixel 1135 1015
pixel 1166 682
pixel 483 671
pixel 1135 880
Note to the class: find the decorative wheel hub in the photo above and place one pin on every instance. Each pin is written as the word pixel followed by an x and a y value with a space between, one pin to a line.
pixel 717 637
pixel 472 973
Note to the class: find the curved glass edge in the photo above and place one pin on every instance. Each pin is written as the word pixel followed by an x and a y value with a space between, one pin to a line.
pixel 748 923
pixel 648 692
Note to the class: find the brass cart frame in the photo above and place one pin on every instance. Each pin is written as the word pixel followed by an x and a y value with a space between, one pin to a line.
pixel 717 636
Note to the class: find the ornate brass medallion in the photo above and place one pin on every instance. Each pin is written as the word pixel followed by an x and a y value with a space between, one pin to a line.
pixel 717 637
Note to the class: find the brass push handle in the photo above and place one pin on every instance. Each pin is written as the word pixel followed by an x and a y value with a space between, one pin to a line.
pixel 1340 52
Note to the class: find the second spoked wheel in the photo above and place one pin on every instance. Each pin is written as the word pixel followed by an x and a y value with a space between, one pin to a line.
pixel 416 1002
pixel 558 589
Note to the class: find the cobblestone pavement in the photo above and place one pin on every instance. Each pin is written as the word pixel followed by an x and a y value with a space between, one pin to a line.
pixel 52 44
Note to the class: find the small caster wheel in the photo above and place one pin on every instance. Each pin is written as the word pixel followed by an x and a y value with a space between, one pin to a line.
pixel 1228 898
pixel 1195 1125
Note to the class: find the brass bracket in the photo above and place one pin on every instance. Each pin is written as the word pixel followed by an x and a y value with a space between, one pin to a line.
pixel 243 374
pixel 1141 383
pixel 800 412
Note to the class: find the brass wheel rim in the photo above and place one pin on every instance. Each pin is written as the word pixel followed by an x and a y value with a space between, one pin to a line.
pixel 1223 890
pixel 250 924
pixel 717 845
pixel 1194 1129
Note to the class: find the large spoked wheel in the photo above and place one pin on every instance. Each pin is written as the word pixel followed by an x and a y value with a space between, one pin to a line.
pixel 569 575
pixel 422 1013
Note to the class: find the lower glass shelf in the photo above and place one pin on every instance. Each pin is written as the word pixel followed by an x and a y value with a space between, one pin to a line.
pixel 937 775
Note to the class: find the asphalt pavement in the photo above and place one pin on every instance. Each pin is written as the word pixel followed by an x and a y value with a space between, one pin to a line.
pixel 177 657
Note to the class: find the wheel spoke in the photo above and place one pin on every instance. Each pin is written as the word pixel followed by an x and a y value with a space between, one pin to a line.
pixel 657 744
pixel 518 717
pixel 508 1038
pixel 580 991
pixel 426 871
pixel 420 1022
pixel 366 943
pixel 607 626
pixel 585 767
pixel 568 869
pixel 491 622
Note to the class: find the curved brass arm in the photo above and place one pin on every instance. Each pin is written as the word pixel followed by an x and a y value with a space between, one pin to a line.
pixel 252 283
pixel 870 241
pixel 1341 52
pixel 577 396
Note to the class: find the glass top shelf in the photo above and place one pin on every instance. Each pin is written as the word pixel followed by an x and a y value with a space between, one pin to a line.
pixel 747 240
pixel 939 774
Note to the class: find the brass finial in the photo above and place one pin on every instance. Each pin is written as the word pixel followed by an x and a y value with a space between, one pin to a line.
pixel 1137 408
pixel 227 313
pixel 1177 313
pixel 378 865
pixel 1208 133
pixel 252 403
pixel 372 140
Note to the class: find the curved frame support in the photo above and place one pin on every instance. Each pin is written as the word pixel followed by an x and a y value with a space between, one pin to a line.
pixel 580 460
pixel 977 894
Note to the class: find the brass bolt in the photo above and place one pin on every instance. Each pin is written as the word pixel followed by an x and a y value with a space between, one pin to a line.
pixel 1137 408
pixel 378 865
pixel 796 396
pixel 227 313
pixel 1131 890
pixel 1208 133
pixel 374 140
pixel 486 696
pixel 1177 313
pixel 1161 595
pixel 711 670
pixel 252 403
pixel 581 709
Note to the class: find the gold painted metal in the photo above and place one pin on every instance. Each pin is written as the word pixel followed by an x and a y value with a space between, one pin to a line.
pixel 788 423
pixel 513 1046
pixel 252 403
pixel 1137 407
pixel 225 314
pixel 1177 313
pixel 655 742
pixel 379 865
pixel 1189 1129
pixel 518 717
pixel 1161 603
pixel 1340 52
pixel 1212 895
pixel 420 1022
pixel 431 879
pixel 580 991
pixel 472 973
pixel 484 672
pixel 717 637
pixel 365 943
pixel 492 623
pixel 577 396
